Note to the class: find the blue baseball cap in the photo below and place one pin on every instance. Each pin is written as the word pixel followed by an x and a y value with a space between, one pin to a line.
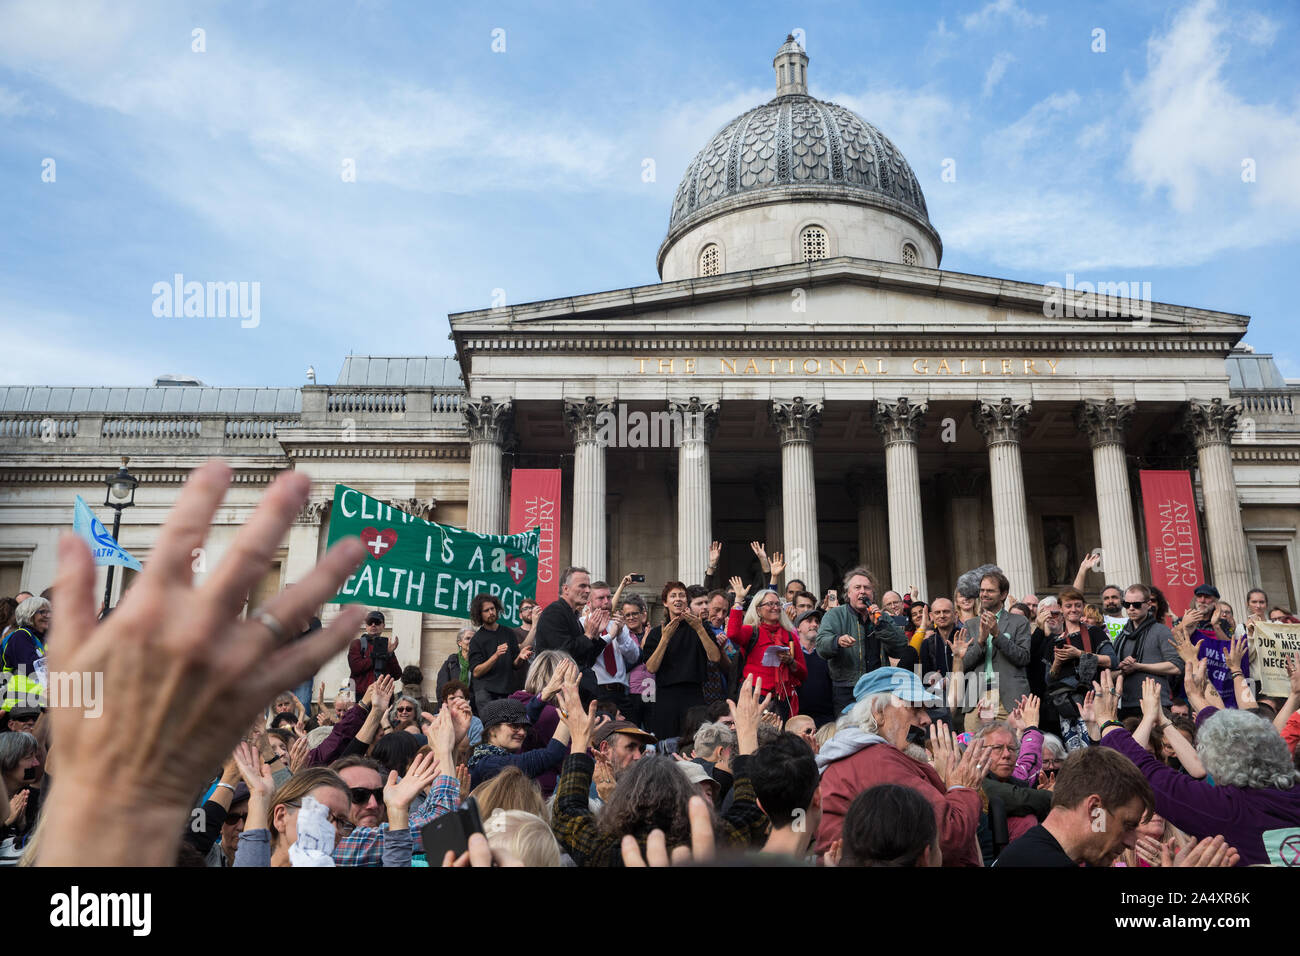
pixel 903 684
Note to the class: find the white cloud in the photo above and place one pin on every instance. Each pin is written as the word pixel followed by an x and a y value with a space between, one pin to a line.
pixel 1195 132
pixel 987 15
pixel 997 69
pixel 13 103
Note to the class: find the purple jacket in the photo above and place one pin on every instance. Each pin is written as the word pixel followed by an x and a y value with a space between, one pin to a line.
pixel 344 732
pixel 1201 809
pixel 1030 760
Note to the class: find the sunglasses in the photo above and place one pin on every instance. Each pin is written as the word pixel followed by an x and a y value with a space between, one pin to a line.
pixel 362 795
pixel 341 824
pixel 405 710
pixel 236 817
pixel 1135 603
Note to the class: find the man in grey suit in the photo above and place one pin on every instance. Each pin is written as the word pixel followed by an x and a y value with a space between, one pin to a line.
pixel 1000 649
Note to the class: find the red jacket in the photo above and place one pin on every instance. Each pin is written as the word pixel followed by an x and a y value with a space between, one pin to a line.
pixel 362 666
pixel 957 812
pixel 754 641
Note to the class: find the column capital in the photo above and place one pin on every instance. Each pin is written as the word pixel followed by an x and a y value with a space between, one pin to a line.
pixel 795 420
pixel 900 421
pixel 488 420
pixel 584 419
pixel 699 419
pixel 1000 423
pixel 1104 422
pixel 315 512
pixel 1210 423
pixel 420 507
pixel 865 486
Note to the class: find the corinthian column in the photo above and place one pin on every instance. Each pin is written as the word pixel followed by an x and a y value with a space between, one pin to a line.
pixel 796 421
pixel 1211 425
pixel 898 425
pixel 488 423
pixel 867 488
pixel 587 421
pixel 1105 423
pixel 699 420
pixel 1000 425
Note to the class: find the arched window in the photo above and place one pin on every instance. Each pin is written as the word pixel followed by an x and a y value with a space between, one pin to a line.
pixel 813 243
pixel 910 256
pixel 710 260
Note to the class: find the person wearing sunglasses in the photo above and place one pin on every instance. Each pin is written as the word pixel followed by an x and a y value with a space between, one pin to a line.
pixel 1076 653
pixel 365 782
pixel 232 827
pixel 1145 648
pixel 772 650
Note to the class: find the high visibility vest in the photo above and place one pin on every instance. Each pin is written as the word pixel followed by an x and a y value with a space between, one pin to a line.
pixel 20 689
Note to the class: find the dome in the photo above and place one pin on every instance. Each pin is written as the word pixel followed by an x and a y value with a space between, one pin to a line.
pixel 796 148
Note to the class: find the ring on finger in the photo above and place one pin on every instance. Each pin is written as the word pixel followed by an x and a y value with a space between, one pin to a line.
pixel 270 622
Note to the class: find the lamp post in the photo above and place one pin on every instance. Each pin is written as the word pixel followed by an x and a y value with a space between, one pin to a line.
pixel 120 494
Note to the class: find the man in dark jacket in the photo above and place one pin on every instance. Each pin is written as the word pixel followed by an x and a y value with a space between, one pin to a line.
pixel 371 655
pixel 559 629
pixel 1145 648
pixel 856 637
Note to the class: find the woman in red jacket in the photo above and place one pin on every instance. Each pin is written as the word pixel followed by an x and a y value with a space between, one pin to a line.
pixel 767 626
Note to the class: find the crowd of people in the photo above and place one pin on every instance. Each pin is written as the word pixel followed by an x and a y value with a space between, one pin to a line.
pixel 724 721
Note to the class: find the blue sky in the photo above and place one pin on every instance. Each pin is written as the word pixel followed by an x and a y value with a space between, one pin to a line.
pixel 521 170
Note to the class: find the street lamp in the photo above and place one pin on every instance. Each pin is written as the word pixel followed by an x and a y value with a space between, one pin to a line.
pixel 120 494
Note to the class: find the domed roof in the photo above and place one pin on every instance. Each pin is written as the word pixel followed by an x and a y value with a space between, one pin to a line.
pixel 796 140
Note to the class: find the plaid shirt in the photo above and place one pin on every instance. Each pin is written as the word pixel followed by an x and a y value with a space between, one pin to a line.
pixel 743 826
pixel 364 846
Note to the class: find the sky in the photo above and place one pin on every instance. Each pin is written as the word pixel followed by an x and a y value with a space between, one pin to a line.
pixel 368 168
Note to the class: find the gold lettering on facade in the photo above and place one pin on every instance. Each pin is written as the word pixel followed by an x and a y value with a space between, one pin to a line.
pixel 690 366
pixel 817 366
pixel 1052 364
pixel 640 369
pixel 861 368
pixel 984 366
pixel 1006 366
pixel 814 365
pixel 728 365
pixel 880 366
pixel 920 366
pixel 840 363
pixel 943 368
pixel 1029 367
pixel 963 367
pixel 751 368
pixel 668 363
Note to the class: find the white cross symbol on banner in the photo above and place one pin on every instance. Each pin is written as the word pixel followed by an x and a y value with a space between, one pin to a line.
pixel 378 546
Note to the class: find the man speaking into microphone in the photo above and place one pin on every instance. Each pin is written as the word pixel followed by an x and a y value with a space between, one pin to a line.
pixel 856 637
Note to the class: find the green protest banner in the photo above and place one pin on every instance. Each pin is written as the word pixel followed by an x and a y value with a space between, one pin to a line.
pixel 419 565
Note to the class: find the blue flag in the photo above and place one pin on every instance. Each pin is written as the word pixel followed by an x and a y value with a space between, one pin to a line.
pixel 102 545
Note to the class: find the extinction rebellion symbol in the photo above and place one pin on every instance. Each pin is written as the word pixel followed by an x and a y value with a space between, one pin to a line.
pixel 377 542
pixel 517 567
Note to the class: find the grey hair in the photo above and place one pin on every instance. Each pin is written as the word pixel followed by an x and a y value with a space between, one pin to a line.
pixel 995 725
pixel 751 615
pixel 1240 749
pixel 712 736
pixel 26 612
pixel 1053 744
pixel 463 632
pixel 16 746
pixel 632 598
pixel 968 585
pixel 863 715
pixel 568 574
pixel 1049 601
pixel 860 571
pixel 392 710
pixel 541 669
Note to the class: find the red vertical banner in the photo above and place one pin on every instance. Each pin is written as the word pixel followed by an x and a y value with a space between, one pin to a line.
pixel 1173 538
pixel 535 503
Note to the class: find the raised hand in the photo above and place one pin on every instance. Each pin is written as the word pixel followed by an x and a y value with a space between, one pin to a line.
pixel 17 807
pixel 1236 651
pixel 298 752
pixel 1107 696
pixel 715 552
pixel 944 750
pixel 1151 698
pixel 1089 561
pixel 383 692
pixel 1151 851
pixel 400 794
pixel 971 769
pixel 739 588
pixel 1088 711
pixel 461 717
pixel 988 623
pixel 960 643
pixel 1293 672
pixel 255 773
pixel 778 562
pixel 746 711
pixel 1046 781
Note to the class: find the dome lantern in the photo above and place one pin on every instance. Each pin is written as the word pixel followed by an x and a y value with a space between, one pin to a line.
pixel 791 65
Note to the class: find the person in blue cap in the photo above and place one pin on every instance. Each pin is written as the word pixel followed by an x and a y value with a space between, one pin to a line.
pixel 881 740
